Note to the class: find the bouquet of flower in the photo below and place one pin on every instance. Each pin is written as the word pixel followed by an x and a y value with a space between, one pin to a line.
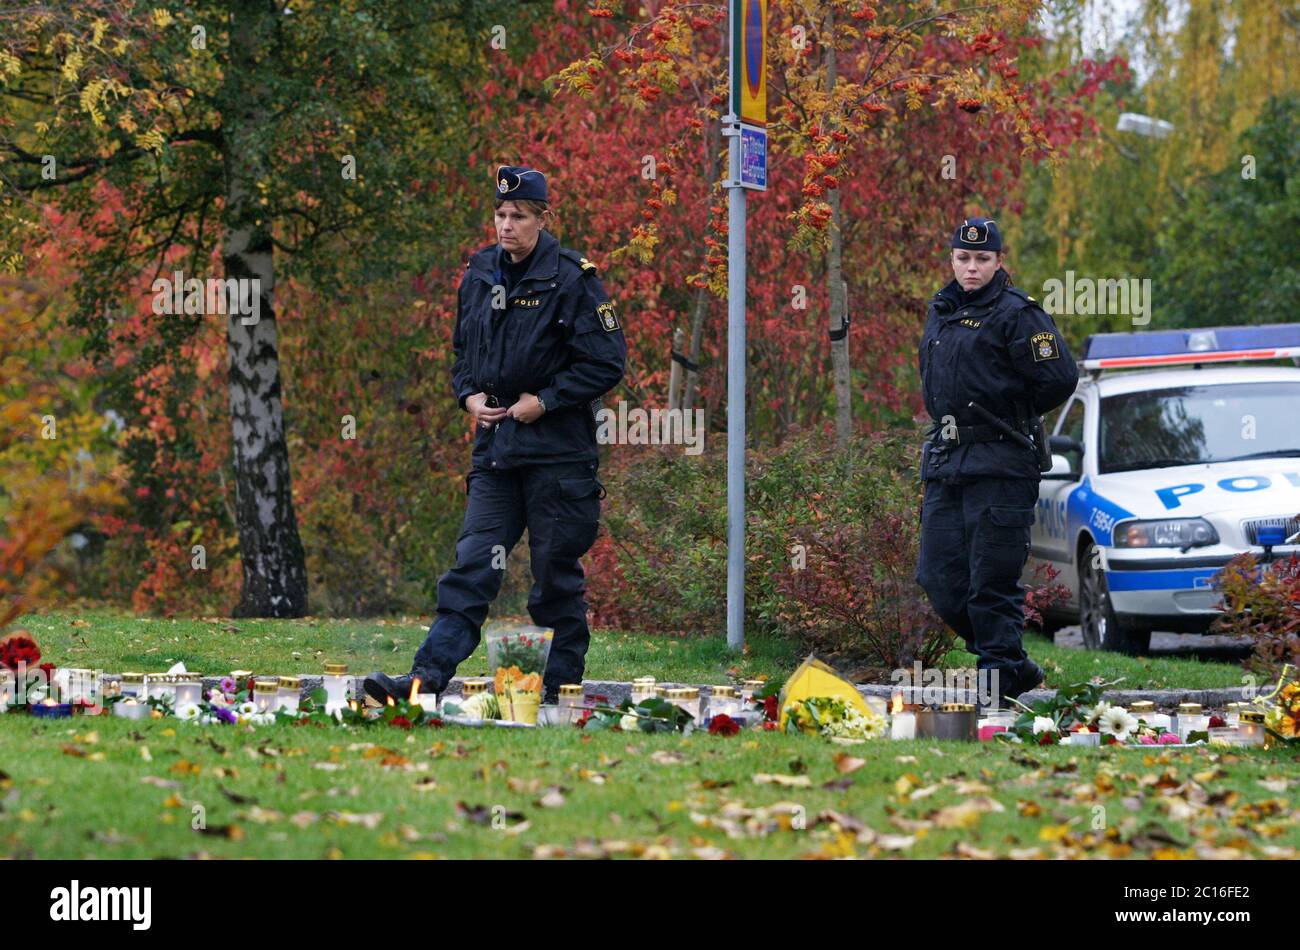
pixel 1282 706
pixel 526 647
pixel 834 718
pixel 519 694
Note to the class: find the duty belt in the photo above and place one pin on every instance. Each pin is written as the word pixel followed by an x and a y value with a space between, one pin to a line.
pixel 962 435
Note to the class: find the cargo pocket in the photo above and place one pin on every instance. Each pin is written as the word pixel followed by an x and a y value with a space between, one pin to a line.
pixel 1006 541
pixel 577 515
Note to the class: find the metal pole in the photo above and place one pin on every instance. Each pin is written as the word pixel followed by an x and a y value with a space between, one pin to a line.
pixel 735 393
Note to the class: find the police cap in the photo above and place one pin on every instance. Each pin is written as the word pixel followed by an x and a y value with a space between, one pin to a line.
pixel 517 183
pixel 977 234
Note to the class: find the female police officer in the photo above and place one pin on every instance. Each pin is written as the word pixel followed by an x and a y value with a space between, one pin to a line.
pixel 990 344
pixel 537 343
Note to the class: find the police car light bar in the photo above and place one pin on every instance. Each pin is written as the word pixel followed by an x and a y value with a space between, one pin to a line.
pixel 1182 347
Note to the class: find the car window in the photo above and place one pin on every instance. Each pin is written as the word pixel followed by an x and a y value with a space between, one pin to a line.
pixel 1190 425
pixel 1072 426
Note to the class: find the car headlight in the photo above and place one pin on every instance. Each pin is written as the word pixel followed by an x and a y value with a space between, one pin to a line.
pixel 1166 533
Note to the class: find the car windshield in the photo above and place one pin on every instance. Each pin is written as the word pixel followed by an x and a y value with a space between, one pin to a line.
pixel 1189 425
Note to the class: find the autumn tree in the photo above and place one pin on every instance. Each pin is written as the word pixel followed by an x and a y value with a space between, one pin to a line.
pixel 247 139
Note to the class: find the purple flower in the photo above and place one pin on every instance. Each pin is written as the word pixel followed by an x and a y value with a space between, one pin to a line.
pixel 226 714
pixel 227 684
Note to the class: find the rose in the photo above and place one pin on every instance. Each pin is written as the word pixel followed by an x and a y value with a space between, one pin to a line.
pixel 19 648
pixel 723 725
pixel 1168 737
pixel 1217 723
pixel 630 723
pixel 1044 724
pixel 401 722
pixel 769 708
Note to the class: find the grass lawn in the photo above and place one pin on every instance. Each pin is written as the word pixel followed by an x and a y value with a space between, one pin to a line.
pixel 118 641
pixel 107 788
pixel 1064 666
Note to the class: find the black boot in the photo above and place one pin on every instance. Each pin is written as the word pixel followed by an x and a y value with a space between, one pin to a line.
pixel 1028 677
pixel 380 686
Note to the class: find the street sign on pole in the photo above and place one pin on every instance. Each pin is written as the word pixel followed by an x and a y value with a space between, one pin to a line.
pixel 745 126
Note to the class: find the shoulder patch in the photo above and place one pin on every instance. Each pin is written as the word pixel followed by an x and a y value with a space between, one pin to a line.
pixel 1044 346
pixel 578 259
pixel 608 318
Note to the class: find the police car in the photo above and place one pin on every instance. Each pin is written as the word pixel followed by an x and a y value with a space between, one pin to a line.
pixel 1162 473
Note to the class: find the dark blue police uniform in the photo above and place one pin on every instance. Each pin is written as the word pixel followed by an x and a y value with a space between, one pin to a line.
pixel 545 326
pixel 997 347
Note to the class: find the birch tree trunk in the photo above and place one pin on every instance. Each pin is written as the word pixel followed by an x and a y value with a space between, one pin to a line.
pixel 274 567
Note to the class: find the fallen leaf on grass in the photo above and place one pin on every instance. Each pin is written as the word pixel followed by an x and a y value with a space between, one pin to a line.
pixel 367 820
pixel 800 781
pixel 553 798
pixel 159 782
pixel 425 785
pixel 262 816
pixel 666 757
pixel 844 763
pixel 966 814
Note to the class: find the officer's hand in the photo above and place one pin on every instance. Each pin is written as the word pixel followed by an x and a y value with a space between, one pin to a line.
pixel 483 414
pixel 527 409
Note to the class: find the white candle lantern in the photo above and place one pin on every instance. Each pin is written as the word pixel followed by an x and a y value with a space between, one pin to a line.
pixel 188 688
pixel 723 701
pixel 161 686
pixel 290 692
pixel 133 686
pixel 902 725
pixel 643 688
pixel 748 688
pixel 336 685
pixel 131 709
pixel 1190 719
pixel 266 695
pixel 1250 725
pixel 6 689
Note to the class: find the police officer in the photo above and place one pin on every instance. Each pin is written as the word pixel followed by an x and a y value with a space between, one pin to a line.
pixel 537 344
pixel 989 343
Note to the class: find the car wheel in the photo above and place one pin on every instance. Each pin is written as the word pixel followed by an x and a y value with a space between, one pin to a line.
pixel 1102 629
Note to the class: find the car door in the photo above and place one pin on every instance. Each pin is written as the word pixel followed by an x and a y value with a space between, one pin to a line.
pixel 1049 537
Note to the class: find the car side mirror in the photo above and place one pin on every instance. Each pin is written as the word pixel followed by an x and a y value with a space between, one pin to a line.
pixel 1060 468
pixel 1065 445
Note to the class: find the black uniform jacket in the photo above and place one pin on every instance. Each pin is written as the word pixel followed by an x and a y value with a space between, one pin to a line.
pixel 555 334
pixel 997 347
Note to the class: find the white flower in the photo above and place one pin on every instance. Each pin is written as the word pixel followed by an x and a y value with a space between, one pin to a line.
pixel 208 719
pixel 262 719
pixel 1044 724
pixel 1096 712
pixel 1117 722
pixel 247 708
pixel 188 711
pixel 630 723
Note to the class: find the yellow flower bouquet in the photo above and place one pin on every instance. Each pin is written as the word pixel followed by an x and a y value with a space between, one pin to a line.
pixel 519 694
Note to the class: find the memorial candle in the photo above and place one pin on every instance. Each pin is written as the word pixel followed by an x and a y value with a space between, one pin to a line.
pixel 902 724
